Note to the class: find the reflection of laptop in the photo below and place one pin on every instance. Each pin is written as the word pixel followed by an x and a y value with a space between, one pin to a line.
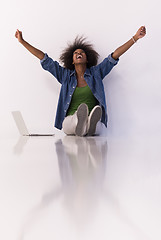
pixel 22 126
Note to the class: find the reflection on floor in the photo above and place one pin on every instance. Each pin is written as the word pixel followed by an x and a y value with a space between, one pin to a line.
pixel 67 187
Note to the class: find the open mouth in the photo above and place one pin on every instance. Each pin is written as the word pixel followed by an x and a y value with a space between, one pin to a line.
pixel 79 56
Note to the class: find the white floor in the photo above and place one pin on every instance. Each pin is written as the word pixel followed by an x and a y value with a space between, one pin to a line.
pixel 80 188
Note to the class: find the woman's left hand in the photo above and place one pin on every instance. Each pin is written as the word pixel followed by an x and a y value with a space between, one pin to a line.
pixel 141 32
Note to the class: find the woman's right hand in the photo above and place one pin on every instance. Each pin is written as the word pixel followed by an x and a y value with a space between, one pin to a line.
pixel 18 35
pixel 36 52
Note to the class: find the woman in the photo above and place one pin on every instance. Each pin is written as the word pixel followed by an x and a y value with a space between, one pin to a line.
pixel 82 98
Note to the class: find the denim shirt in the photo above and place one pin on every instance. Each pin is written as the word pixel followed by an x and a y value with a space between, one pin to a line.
pixel 93 76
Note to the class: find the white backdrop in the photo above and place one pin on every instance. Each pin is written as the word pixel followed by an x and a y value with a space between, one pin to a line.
pixel 133 88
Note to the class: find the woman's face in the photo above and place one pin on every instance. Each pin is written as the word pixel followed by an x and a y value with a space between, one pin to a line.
pixel 79 57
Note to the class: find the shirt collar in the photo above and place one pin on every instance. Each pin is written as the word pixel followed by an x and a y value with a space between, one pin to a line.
pixel 87 72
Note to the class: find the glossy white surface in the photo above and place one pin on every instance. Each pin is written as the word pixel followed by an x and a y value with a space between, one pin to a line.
pixel 80 188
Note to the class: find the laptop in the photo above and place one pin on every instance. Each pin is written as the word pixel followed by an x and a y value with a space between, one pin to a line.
pixel 22 126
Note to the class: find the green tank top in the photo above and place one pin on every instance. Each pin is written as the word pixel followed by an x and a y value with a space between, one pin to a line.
pixel 82 95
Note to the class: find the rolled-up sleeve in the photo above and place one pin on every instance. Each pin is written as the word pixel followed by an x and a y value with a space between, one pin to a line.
pixel 106 66
pixel 112 60
pixel 53 67
pixel 43 60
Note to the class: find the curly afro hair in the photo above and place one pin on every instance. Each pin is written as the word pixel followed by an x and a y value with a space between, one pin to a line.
pixel 79 43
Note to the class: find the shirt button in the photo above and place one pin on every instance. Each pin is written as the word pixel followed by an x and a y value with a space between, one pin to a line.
pixel 73 87
pixel 70 95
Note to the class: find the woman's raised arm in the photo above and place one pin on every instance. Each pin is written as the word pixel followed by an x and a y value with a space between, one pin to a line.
pixel 139 34
pixel 36 52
